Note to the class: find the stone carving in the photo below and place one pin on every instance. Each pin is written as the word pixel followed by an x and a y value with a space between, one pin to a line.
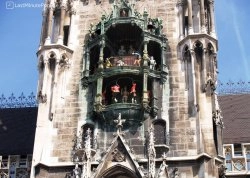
pixel 222 171
pixel 151 153
pixel 77 172
pixel 118 155
pixel 217 117
pixel 210 83
pixel 119 121
pixel 163 170
pixel 42 98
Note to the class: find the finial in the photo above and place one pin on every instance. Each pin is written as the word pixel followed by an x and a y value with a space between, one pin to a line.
pixel 119 122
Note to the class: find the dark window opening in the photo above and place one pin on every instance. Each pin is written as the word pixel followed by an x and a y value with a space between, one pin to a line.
pixel 94 58
pixel 237 149
pixel 66 35
pixel 121 89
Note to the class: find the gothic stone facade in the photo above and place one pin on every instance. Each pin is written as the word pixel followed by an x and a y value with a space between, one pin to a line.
pixel 126 89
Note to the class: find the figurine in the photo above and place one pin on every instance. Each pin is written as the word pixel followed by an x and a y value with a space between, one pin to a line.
pixel 120 62
pixel 152 63
pixel 138 58
pixel 125 94
pixel 115 90
pixel 133 92
pixel 121 51
pixel 108 64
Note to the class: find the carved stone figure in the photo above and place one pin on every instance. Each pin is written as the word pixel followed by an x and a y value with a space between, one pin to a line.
pixel 77 171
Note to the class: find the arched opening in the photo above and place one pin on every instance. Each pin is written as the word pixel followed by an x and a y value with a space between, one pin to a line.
pixel 160 132
pixel 124 37
pixel 122 89
pixel 119 171
pixel 154 49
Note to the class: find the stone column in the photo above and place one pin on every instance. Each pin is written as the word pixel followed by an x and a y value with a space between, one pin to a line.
pixel 214 66
pixel 100 62
pixel 193 57
pixel 180 14
pixel 87 63
pixel 204 67
pixel 211 7
pixel 63 11
pixel 45 12
pixel 190 18
pixel 145 53
pixel 202 16
pixel 49 25
pixel 163 58
pixel 72 29
pixel 45 76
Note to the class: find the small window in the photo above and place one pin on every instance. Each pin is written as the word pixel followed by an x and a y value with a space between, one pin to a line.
pixel 248 160
pixel 237 150
pixel 23 161
pixel 66 35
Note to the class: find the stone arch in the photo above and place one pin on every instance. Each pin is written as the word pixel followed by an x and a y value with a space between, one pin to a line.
pixel 119 171
pixel 160 131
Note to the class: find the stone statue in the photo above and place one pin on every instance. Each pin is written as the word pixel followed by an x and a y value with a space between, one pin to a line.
pixel 77 172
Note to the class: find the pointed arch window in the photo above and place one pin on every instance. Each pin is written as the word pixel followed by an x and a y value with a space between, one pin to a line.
pixel 160 132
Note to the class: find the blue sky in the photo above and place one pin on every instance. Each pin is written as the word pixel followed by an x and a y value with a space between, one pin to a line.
pixel 20 33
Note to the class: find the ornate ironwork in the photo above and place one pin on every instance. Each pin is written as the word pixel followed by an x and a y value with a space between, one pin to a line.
pixel 231 87
pixel 21 101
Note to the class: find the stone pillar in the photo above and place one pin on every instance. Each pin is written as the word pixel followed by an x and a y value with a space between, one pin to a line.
pixel 145 89
pixel 190 18
pixel 180 15
pixel 211 7
pixel 202 16
pixel 163 58
pixel 49 25
pixel 63 11
pixel 45 12
pixel 145 53
pixel 87 63
pixel 45 78
pixel 72 29
pixel 214 66
pixel 100 62
pixel 193 57
pixel 204 68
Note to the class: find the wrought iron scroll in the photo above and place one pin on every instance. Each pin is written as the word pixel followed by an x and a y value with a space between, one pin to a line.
pixel 231 87
pixel 21 101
